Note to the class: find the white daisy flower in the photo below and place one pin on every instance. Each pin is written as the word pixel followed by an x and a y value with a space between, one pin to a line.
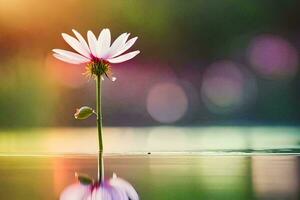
pixel 113 189
pixel 97 53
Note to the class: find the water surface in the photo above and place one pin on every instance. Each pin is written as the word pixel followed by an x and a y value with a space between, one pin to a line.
pixel 161 163
pixel 157 177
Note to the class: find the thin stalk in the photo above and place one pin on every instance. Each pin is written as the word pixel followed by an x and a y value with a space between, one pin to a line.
pixel 99 126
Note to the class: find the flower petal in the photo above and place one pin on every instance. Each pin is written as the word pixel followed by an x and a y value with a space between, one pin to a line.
pixel 102 194
pixel 104 40
pixel 93 43
pixel 127 45
pixel 71 55
pixel 75 44
pixel 124 57
pixel 117 193
pixel 82 42
pixel 121 184
pixel 74 192
pixel 65 59
pixel 117 44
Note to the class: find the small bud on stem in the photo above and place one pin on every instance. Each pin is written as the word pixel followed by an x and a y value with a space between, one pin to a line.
pixel 84 179
pixel 84 112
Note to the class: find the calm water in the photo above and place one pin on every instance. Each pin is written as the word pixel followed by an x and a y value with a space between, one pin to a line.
pixel 158 177
pixel 184 163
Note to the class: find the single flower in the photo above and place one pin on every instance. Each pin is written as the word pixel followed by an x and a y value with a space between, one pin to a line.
pixel 97 53
pixel 113 189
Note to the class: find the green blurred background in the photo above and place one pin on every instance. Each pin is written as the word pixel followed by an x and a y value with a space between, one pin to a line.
pixel 201 63
pixel 207 63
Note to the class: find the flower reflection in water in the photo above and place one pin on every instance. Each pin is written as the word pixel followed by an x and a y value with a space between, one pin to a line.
pixel 113 189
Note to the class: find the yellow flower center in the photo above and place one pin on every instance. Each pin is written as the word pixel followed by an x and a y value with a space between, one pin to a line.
pixel 97 68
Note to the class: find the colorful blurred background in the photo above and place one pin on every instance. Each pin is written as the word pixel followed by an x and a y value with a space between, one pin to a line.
pixel 216 83
pixel 202 63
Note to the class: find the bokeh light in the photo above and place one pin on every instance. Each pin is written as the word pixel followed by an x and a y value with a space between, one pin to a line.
pixel 225 87
pixel 273 57
pixel 167 102
pixel 181 55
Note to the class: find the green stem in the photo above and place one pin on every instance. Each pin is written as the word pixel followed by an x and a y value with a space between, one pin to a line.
pixel 99 126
